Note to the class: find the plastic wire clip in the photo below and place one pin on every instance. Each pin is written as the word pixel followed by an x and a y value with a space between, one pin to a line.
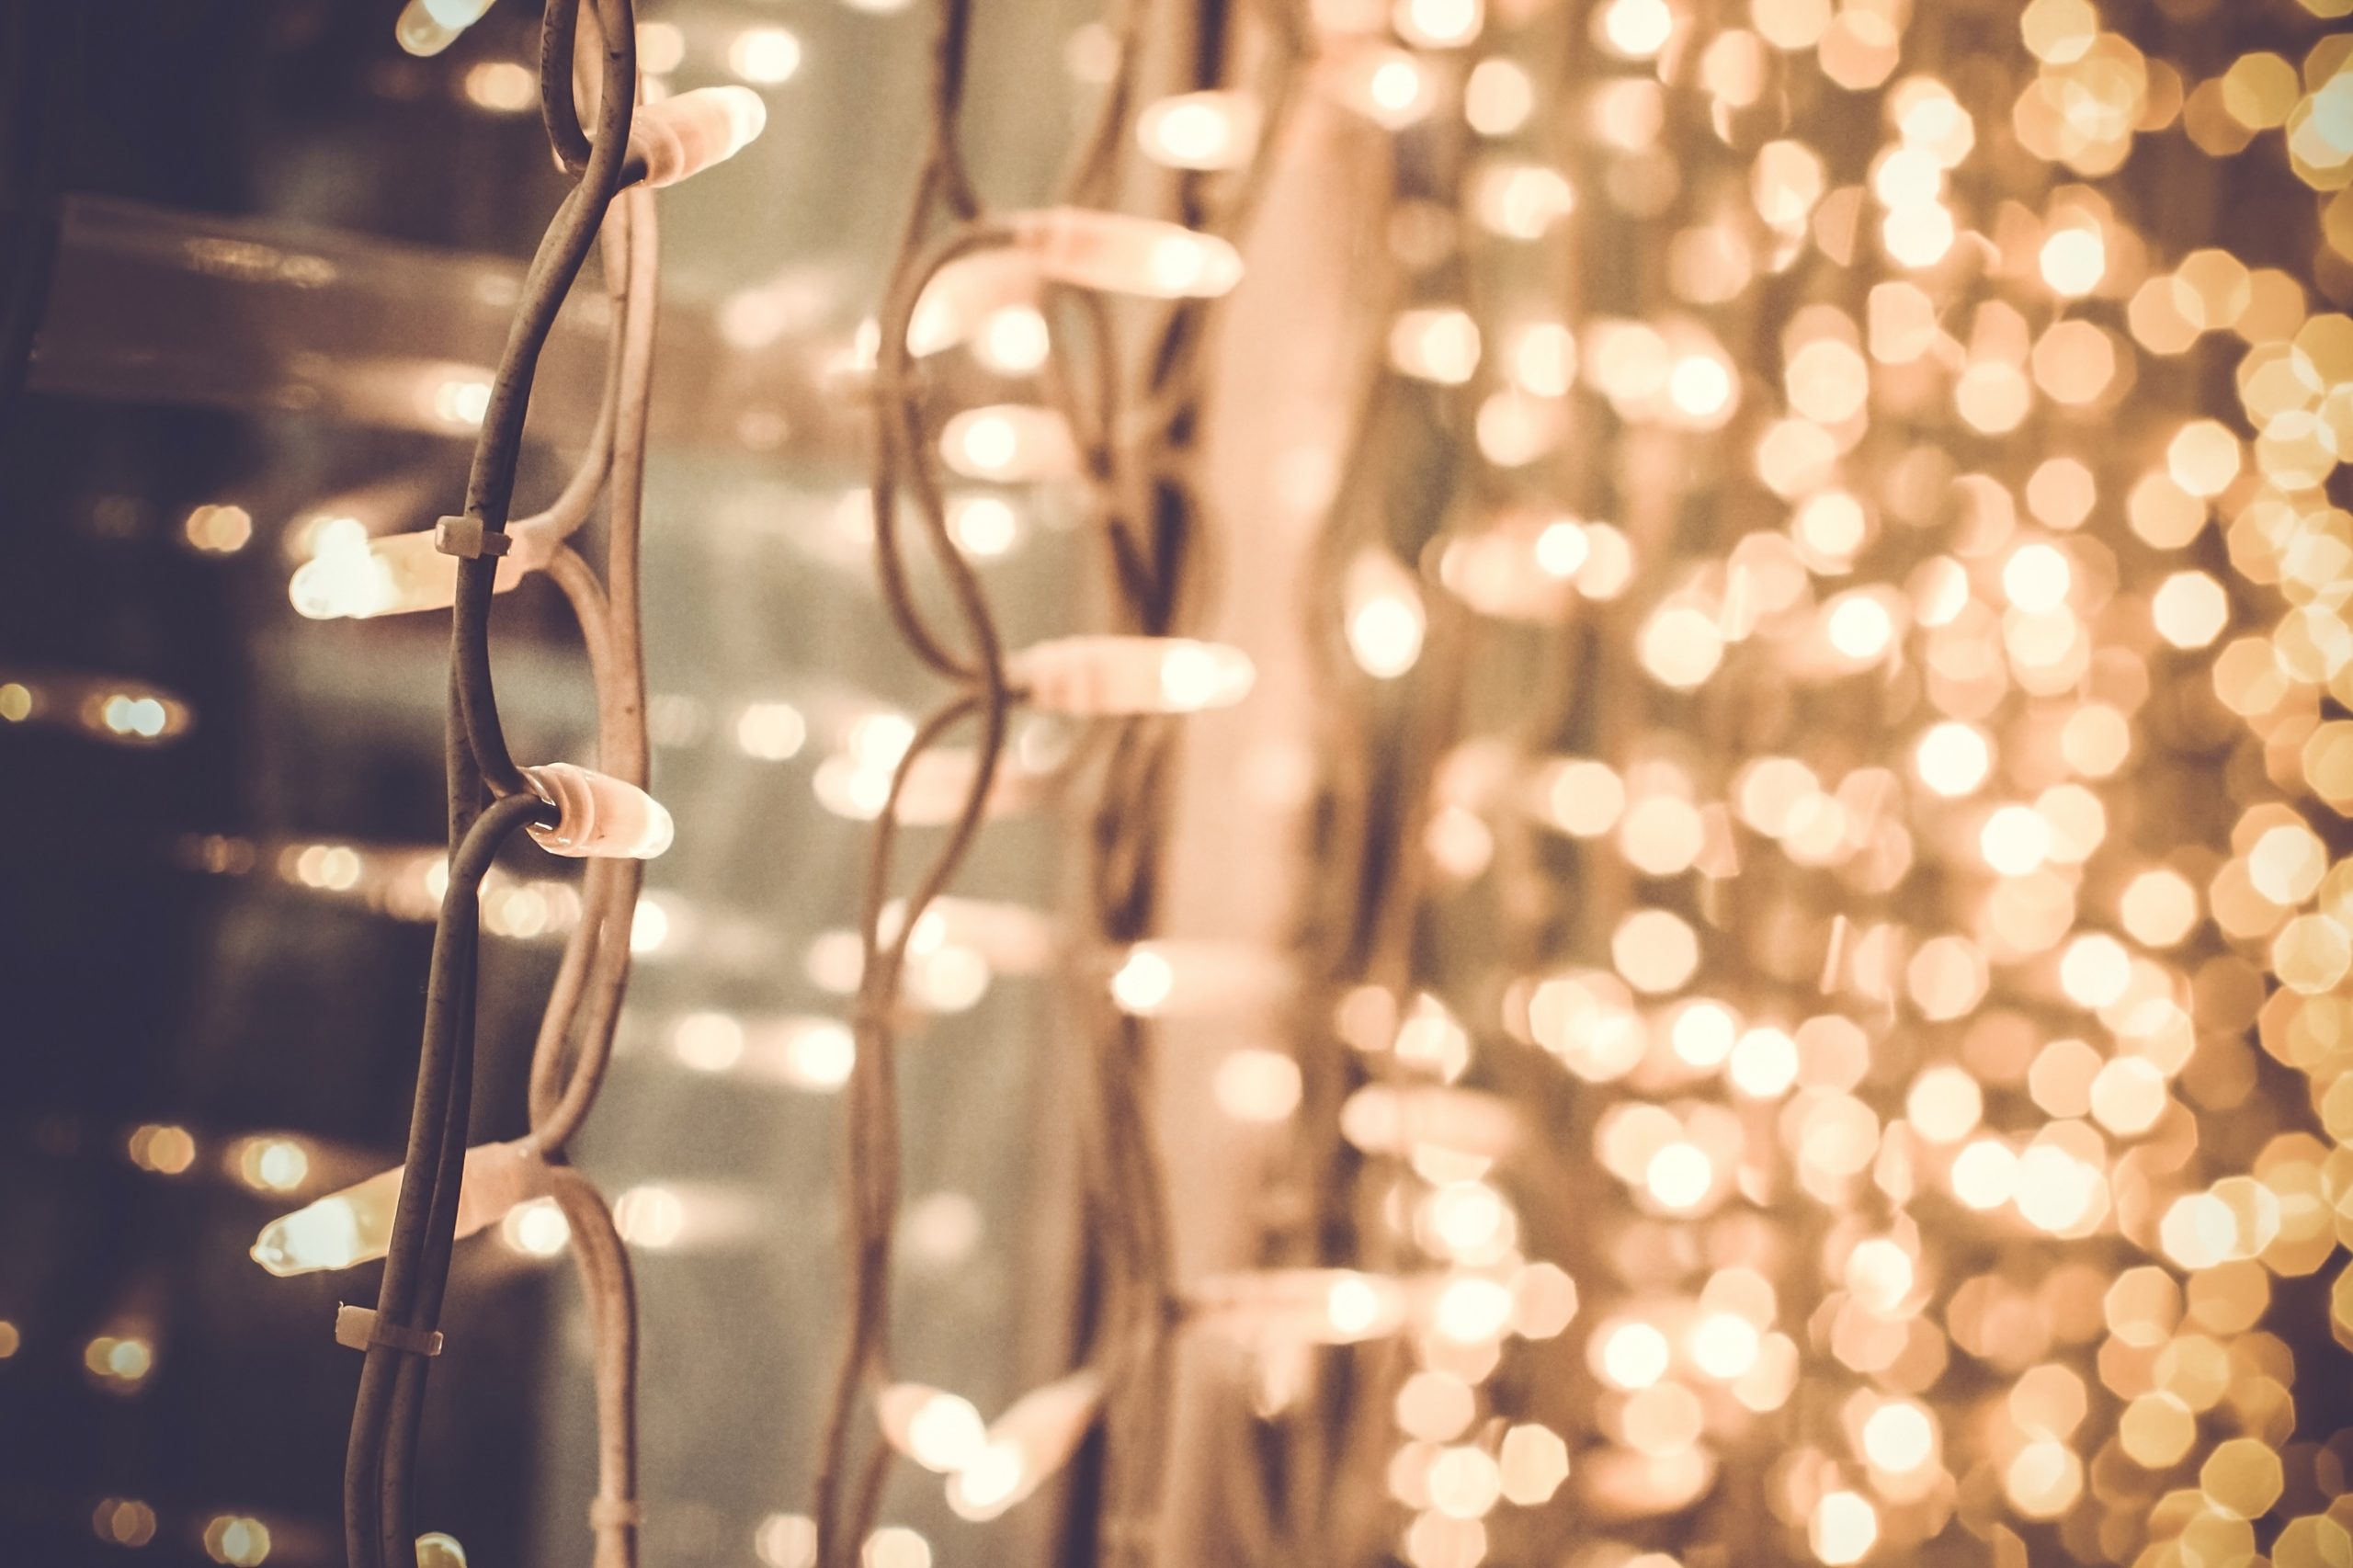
pixel 467 538
pixel 358 1328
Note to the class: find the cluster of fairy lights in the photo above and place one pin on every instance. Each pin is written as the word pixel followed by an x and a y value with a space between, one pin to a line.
pixel 1916 853
pixel 1905 490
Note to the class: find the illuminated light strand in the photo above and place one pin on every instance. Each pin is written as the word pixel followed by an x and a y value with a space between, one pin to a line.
pixel 1100 677
pixel 954 289
pixel 601 812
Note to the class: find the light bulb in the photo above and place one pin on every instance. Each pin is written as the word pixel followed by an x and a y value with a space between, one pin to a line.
pixel 1010 443
pixel 439 1551
pixel 1385 1119
pixel 966 292
pixel 1268 1307
pixel 356 1224
pixel 1384 84
pixel 1184 978
pixel 354 579
pixel 1438 24
pixel 600 816
pixel 1112 677
pixel 1439 344
pixel 428 27
pixel 1025 1446
pixel 939 1431
pixel 1124 255
pixel 1200 130
pixel 682 136
pixel 1385 618
pixel 802 1053
pixel 1525 566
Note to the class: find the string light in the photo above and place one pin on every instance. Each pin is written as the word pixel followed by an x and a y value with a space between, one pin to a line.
pixel 355 577
pixel 680 137
pixel 355 1225
pixel 1100 677
pixel 1125 254
pixel 1934 904
pixel 597 815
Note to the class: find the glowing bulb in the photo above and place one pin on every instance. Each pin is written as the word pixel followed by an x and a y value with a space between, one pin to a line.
pixel 1144 983
pixel 765 55
pixel 1472 1310
pixel 1843 1528
pixel 1634 1355
pixel 1009 443
pixel 428 27
pixel 1380 82
pixel 1534 1461
pixel 1385 618
pixel 1124 255
pixel 2073 261
pixel 1200 130
pixel 990 1483
pixel 966 292
pixel 2037 578
pixel 2015 840
pixel 680 137
pixel 1439 24
pixel 1636 28
pixel 436 1550
pixel 1952 758
pixel 1880 1273
pixel 1898 1436
pixel 1560 548
pixel 598 815
pixel 1498 97
pixel 1436 345
pixel 2190 610
pixel 1257 1086
pixel 1679 1175
pixel 1025 1446
pixel 1764 1063
pixel 1108 677
pixel 983 526
pixel 707 1042
pixel 1726 1345
pixel 1353 1306
pixel 1859 626
pixel 1464 1483
pixel 1013 340
pixel 356 1224
pixel 939 1431
pixel 355 577
pixel 1701 386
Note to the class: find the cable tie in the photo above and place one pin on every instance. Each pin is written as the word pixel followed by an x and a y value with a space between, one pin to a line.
pixel 467 538
pixel 614 1513
pixel 360 1328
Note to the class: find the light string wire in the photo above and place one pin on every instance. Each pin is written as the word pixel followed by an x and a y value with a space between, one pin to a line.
pixel 1141 502
pixel 575 1038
